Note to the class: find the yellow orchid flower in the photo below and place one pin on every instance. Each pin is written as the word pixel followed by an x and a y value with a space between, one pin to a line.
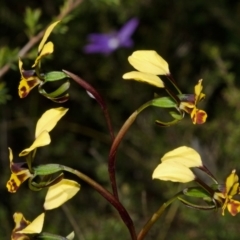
pixel 225 197
pixel 44 125
pixel 24 227
pixel 60 193
pixel 149 64
pixel 189 105
pixel 28 78
pixel 176 165
pixel 19 174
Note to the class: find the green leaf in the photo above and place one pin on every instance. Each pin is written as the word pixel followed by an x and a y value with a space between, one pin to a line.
pixel 164 102
pixel 54 76
pixel 31 20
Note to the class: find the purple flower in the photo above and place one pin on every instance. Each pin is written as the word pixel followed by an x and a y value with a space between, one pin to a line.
pixel 109 42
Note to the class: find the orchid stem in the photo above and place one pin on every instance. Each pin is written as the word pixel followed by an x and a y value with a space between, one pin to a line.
pixel 108 196
pixel 155 217
pixel 116 143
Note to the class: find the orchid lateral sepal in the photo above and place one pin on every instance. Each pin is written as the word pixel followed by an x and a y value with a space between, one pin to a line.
pixel 50 236
pixel 198 207
pixel 45 181
pixel 197 192
pixel 166 124
pixel 57 95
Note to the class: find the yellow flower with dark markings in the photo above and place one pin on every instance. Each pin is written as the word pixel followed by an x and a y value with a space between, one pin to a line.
pixel 189 104
pixel 19 174
pixel 24 228
pixel 227 193
pixel 30 78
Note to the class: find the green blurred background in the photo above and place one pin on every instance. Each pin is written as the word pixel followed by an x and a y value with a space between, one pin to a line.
pixel 199 39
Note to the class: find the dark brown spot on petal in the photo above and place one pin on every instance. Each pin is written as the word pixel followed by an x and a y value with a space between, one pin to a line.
pixel 23 92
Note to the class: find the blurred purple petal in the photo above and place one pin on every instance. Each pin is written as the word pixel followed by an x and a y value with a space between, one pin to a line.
pixel 109 42
pixel 128 29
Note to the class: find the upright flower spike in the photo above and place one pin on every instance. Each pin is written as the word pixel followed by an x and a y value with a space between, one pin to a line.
pixel 149 64
pixel 229 191
pixel 189 104
pixel 18 176
pixel 107 43
pixel 24 227
pixel 176 165
pixel 44 125
pixel 60 193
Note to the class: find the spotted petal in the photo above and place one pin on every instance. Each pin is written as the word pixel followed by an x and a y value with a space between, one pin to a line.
pixel 18 176
pixel 35 226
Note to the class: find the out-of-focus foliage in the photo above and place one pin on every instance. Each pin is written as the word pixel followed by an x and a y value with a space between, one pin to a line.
pixel 199 39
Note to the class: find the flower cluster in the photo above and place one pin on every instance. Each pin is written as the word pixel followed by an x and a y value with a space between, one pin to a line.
pixel 60 190
pixel 176 167
pixel 149 65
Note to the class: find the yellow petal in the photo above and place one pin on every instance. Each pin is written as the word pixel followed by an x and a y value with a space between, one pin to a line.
pixel 42 140
pixel 49 120
pixel 20 221
pixel 185 156
pixel 198 88
pixel 10 155
pixel 35 226
pixel 20 64
pixel 47 49
pixel 172 171
pixel 232 184
pixel 46 35
pixel 70 236
pixel 144 77
pixel 60 193
pixel 149 62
